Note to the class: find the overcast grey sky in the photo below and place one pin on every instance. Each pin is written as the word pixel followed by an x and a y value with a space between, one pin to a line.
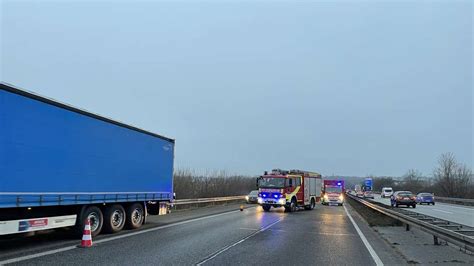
pixel 343 87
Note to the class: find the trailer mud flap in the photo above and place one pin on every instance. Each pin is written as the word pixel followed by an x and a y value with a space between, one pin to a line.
pixel 163 208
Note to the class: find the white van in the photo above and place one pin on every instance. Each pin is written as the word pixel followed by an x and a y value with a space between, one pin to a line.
pixel 386 192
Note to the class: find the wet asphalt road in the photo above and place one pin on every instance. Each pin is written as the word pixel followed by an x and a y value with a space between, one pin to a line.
pixel 252 237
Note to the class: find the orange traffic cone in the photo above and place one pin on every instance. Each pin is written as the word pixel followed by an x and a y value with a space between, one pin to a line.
pixel 86 236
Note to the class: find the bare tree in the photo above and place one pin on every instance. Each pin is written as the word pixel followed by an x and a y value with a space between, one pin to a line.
pixel 413 180
pixel 191 184
pixel 380 182
pixel 462 177
pixel 444 173
pixel 453 179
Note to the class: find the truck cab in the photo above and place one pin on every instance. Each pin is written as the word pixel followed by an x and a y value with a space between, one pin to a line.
pixel 289 189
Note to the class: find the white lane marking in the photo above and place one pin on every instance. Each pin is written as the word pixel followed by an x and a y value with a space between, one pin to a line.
pixel 334 234
pixel 374 255
pixel 28 257
pixel 442 211
pixel 224 249
pixel 50 252
pixel 315 233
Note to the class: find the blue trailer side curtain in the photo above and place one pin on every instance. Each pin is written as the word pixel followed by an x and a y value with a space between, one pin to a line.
pixel 45 148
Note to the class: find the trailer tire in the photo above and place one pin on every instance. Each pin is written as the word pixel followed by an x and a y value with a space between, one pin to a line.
pixel 114 218
pixel 135 216
pixel 96 218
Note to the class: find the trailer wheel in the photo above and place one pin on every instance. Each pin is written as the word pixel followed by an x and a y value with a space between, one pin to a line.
pixel 96 218
pixel 135 216
pixel 114 218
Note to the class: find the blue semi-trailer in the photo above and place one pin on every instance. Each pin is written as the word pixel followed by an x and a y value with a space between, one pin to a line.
pixel 60 166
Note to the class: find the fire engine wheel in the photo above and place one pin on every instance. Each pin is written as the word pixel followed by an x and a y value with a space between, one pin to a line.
pixel 293 205
pixel 266 207
pixel 311 205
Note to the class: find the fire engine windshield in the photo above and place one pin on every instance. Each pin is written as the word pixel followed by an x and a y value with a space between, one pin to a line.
pixel 266 182
pixel 333 189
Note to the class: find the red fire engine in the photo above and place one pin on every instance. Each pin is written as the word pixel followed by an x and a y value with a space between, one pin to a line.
pixel 333 191
pixel 290 189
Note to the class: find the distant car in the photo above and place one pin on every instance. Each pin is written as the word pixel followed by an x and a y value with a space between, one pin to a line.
pixel 252 197
pixel 424 197
pixel 403 198
pixel 358 191
pixel 386 192
pixel 368 195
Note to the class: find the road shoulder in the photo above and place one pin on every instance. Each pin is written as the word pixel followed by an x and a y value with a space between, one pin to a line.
pixel 409 247
pixel 384 250
pixel 418 247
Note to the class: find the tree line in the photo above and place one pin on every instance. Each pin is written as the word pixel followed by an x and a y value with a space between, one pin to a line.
pixel 189 184
pixel 450 179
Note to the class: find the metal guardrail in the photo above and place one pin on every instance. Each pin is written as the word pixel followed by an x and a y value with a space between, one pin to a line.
pixel 459 201
pixel 207 200
pixel 457 234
